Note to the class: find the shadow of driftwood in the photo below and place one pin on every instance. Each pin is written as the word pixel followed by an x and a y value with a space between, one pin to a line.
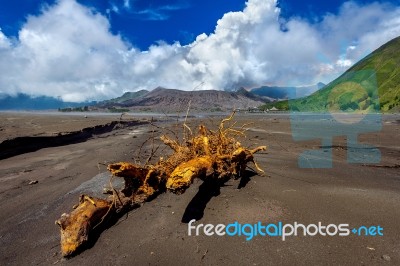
pixel 210 188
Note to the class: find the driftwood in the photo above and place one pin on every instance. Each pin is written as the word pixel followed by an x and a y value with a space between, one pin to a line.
pixel 208 154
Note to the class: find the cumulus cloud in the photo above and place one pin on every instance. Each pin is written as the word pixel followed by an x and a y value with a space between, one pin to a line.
pixel 68 50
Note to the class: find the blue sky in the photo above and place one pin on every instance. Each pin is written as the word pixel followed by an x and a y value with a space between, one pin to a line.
pixel 142 22
pixel 145 22
pixel 82 49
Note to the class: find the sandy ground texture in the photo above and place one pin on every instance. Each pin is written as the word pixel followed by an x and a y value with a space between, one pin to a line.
pixel 157 232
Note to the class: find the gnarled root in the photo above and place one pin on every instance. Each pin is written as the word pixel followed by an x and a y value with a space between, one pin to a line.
pixel 184 173
pixel 216 155
pixel 76 226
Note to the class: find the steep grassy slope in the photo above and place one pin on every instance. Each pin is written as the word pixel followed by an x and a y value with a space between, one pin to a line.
pixel 385 61
pixel 372 84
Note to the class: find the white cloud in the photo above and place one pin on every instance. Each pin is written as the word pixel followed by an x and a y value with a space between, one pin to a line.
pixel 127 4
pixel 151 12
pixel 4 42
pixel 69 51
pixel 115 8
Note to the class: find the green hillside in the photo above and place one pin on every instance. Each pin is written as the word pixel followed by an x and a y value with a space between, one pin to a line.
pixel 386 63
pixel 372 84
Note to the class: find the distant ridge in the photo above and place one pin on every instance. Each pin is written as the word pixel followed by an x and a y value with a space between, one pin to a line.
pixel 162 99
pixel 125 97
pixel 23 101
pixel 281 93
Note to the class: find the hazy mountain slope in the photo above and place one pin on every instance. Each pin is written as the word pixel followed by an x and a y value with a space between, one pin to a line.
pixel 23 101
pixel 249 94
pixel 125 97
pixel 277 92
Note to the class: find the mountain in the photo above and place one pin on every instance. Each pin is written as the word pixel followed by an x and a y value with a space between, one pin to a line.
pixel 385 61
pixel 371 85
pixel 23 101
pixel 162 99
pixel 243 92
pixel 276 92
pixel 125 97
